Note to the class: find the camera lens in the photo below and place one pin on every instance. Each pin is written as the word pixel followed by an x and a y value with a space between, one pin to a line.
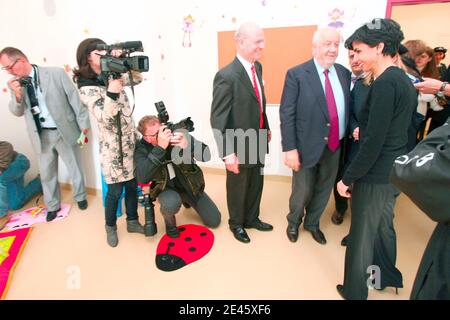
pixel 42 119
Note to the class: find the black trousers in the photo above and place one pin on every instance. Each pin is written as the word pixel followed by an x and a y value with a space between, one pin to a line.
pixel 112 201
pixel 341 203
pixel 244 191
pixel 372 241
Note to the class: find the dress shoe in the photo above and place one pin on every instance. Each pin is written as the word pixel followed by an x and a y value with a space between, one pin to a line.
pixel 240 234
pixel 318 236
pixel 344 241
pixel 51 215
pixel 82 205
pixel 261 226
pixel 292 232
pixel 340 290
pixel 3 221
pixel 337 218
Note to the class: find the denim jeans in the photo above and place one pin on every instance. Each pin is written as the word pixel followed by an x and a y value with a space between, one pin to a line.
pixel 112 201
pixel 13 193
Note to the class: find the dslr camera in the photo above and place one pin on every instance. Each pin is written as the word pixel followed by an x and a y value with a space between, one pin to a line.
pixel 163 116
pixel 25 81
pixel 28 82
pixel 115 66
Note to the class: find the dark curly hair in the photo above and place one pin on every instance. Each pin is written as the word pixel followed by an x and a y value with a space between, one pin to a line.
pixel 377 31
pixel 85 47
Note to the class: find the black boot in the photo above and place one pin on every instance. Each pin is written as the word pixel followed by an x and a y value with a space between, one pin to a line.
pixel 171 226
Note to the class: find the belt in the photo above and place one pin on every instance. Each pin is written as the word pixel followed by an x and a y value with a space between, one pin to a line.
pixel 49 128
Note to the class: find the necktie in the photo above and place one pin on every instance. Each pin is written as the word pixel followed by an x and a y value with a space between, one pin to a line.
pixel 34 104
pixel 258 96
pixel 333 136
pixel 354 78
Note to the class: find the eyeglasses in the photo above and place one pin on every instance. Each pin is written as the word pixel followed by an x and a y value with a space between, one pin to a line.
pixel 9 68
pixel 151 135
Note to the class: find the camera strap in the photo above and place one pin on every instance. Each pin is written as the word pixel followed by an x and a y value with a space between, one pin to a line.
pixel 34 103
pixel 130 77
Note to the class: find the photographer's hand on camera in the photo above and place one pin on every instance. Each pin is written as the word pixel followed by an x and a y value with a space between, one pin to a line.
pixel 16 88
pixel 164 137
pixel 179 140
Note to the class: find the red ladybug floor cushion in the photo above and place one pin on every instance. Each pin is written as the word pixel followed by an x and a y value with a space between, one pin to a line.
pixel 193 243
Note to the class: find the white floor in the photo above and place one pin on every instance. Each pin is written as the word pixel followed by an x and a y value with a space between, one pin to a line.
pixel 70 259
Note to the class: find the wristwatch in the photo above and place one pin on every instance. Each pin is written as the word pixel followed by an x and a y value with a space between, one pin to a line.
pixel 440 94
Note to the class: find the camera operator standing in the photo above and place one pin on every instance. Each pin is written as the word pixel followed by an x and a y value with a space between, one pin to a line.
pixel 167 159
pixel 109 105
pixel 56 122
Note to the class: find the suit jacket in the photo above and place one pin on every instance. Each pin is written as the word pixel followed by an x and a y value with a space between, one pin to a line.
pixel 305 123
pixel 63 103
pixel 358 98
pixel 235 106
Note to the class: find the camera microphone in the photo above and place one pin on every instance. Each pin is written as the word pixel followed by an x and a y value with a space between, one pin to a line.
pixel 121 45
pixel 101 46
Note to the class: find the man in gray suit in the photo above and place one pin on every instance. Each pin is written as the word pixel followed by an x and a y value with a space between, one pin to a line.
pixel 56 122
pixel 314 116
pixel 241 130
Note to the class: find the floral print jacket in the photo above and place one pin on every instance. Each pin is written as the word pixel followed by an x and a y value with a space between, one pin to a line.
pixel 105 110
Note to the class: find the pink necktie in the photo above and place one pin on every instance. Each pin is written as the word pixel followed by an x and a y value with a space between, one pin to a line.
pixel 258 96
pixel 333 137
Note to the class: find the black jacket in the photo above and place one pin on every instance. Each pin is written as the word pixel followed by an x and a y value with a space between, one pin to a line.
pixel 151 165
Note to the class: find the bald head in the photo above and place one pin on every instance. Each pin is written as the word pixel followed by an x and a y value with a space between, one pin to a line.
pixel 326 46
pixel 249 41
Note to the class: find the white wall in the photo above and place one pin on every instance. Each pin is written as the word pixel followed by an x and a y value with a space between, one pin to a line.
pixel 180 76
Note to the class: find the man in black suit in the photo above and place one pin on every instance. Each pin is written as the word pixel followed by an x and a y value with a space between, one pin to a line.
pixel 241 130
pixel 314 116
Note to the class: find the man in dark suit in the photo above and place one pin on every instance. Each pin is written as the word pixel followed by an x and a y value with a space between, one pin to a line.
pixel 241 130
pixel 356 93
pixel 314 116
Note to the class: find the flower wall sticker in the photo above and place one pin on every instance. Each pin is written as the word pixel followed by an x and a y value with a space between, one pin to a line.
pixel 336 17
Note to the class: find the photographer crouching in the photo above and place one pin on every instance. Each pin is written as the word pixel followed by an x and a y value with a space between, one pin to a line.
pixel 168 160
pixel 102 92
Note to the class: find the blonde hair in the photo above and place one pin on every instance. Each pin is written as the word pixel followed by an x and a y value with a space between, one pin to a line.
pixel 146 121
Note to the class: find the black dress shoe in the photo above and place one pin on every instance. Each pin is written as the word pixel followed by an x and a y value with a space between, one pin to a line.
pixel 292 232
pixel 344 241
pixel 51 215
pixel 83 204
pixel 318 236
pixel 240 234
pixel 337 218
pixel 261 226
pixel 340 290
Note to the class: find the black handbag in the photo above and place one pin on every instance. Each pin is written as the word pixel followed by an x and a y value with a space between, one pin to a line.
pixel 424 174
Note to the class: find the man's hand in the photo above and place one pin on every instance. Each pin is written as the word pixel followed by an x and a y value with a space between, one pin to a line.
pixel 292 160
pixel 232 163
pixel 356 134
pixel 269 135
pixel 179 140
pixel 429 85
pixel 82 139
pixel 16 88
pixel 164 136
pixel 343 190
